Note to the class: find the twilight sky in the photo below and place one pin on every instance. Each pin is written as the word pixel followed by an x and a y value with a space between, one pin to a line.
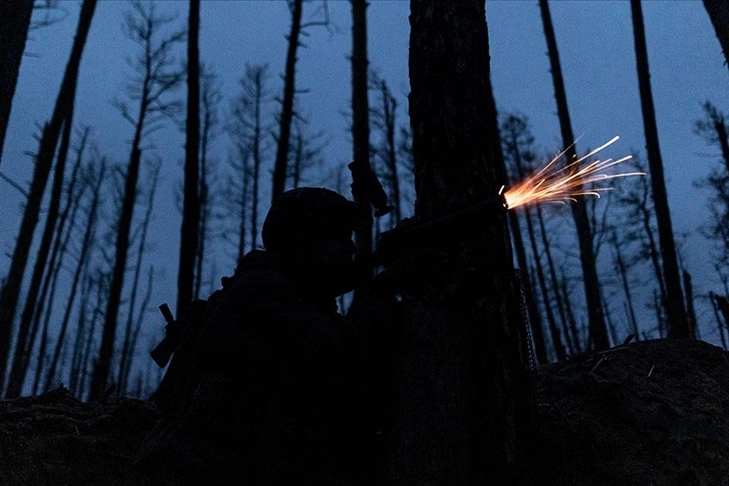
pixel 596 48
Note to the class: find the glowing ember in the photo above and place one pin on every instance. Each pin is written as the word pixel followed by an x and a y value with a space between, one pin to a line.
pixel 557 185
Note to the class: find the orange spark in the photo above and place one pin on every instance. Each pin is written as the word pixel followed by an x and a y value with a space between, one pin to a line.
pixel 557 185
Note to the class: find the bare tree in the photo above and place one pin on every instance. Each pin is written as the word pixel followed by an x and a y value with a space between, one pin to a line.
pixel 712 128
pixel 306 151
pixel 248 128
pixel 384 120
pixel 719 15
pixel 14 25
pixel 82 264
pixel 61 250
pixel 44 160
pixel 31 307
pixel 361 118
pixel 209 130
pixel 675 307
pixel 516 139
pixel 288 111
pixel 622 267
pixel 128 340
pixel 598 327
pixel 156 76
pixel 287 101
pixel 189 232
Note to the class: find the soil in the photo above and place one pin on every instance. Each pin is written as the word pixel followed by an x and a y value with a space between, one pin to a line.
pixel 647 413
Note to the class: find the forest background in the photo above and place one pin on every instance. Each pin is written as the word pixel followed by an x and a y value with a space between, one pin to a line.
pixel 598 60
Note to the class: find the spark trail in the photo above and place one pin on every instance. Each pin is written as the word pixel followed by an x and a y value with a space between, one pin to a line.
pixel 552 184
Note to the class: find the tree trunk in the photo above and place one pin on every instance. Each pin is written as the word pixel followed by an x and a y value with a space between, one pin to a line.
pixel 718 11
pixel 674 302
pixel 690 308
pixel 597 326
pixel 559 297
pixel 14 24
pixel 47 148
pixel 622 269
pixel 462 413
pixel 128 343
pixel 361 117
pixel 191 205
pixel 535 318
pixel 557 344
pixel 389 114
pixel 23 346
pixel 287 104
pixel 259 75
pixel 156 78
pixel 716 301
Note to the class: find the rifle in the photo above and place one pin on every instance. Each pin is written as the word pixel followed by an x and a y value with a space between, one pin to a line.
pixel 366 186
pixel 454 225
pixel 162 353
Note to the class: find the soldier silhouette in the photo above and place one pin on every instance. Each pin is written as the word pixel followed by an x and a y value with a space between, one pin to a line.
pixel 283 389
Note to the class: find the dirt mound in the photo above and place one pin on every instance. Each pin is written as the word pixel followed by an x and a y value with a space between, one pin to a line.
pixel 648 413
pixel 653 412
pixel 54 439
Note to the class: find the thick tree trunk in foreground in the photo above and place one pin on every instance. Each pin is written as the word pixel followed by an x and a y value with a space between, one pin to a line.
pixel 598 328
pixel 462 408
pixel 44 160
pixel 14 24
pixel 678 326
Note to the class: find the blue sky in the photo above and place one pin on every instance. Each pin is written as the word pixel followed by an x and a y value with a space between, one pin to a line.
pixel 598 62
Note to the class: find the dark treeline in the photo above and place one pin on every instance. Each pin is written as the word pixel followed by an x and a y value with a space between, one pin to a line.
pixel 76 304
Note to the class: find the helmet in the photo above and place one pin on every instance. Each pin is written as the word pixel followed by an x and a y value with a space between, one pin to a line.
pixel 305 214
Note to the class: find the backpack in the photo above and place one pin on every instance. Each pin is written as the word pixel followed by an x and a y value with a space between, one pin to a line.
pixel 178 348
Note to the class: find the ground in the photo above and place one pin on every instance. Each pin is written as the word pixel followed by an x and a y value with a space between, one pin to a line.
pixel 648 413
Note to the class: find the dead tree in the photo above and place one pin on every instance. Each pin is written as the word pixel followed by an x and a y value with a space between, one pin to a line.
pixel 128 341
pixel 31 306
pixel 14 25
pixel 210 123
pixel 248 129
pixel 720 304
pixel 287 101
pixel 712 128
pixel 64 238
pixel 361 118
pixel 44 160
pixel 189 231
pixel 306 152
pixel 385 121
pixel 718 12
pixel 690 307
pixel 156 75
pixel 462 405
pixel 82 265
pixel 622 267
pixel 513 136
pixel 598 327
pixel 674 304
